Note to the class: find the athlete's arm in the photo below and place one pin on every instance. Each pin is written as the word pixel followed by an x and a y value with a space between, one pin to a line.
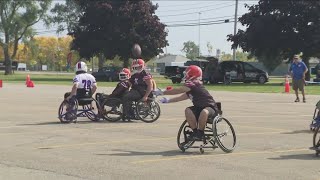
pixel 179 90
pixel 182 97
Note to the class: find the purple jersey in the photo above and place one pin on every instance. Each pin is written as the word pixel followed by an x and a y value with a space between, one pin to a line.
pixel 199 96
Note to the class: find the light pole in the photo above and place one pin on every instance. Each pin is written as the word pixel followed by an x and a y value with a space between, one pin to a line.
pixel 199 35
pixel 235 27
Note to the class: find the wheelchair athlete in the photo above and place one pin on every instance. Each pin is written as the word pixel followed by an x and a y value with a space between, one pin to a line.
pixel 204 106
pixel 120 90
pixel 141 87
pixel 82 80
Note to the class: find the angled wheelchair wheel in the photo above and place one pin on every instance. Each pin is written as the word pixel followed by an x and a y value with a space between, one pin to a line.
pixel 183 136
pixel 111 109
pixel 316 137
pixel 148 111
pixel 224 134
pixel 67 112
pixel 92 110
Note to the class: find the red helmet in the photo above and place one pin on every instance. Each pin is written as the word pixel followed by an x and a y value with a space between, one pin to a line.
pixel 193 72
pixel 137 65
pixel 124 74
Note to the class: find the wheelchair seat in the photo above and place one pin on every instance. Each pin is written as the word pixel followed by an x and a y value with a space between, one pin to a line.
pixel 84 96
pixel 218 111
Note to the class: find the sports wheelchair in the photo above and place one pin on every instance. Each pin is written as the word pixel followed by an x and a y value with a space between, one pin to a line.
pixel 112 110
pixel 69 110
pixel 216 132
pixel 315 126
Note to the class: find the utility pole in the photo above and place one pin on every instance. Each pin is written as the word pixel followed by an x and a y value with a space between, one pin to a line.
pixel 235 27
pixel 199 35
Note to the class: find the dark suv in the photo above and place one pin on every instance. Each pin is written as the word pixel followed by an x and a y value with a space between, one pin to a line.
pixel 234 71
pixel 107 74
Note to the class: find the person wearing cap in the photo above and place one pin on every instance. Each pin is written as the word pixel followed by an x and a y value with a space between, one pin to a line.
pixel 298 70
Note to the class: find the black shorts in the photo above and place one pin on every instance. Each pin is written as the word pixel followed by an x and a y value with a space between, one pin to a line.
pixel 197 110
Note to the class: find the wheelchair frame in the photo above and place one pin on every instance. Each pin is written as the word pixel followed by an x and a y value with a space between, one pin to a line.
pixel 138 107
pixel 86 111
pixel 211 136
pixel 316 128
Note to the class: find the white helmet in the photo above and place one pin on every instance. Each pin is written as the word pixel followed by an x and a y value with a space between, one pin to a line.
pixel 81 66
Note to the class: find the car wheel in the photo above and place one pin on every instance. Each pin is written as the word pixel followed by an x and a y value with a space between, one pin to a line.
pixel 178 81
pixel 174 81
pixel 262 79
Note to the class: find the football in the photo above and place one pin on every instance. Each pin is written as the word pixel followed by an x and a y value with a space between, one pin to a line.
pixel 136 51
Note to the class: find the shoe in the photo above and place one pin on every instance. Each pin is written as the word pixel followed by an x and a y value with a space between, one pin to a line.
pixel 297 100
pixel 196 136
pixel 304 100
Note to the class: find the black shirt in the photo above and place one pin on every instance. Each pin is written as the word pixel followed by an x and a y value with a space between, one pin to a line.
pixel 199 96
pixel 138 81
pixel 121 88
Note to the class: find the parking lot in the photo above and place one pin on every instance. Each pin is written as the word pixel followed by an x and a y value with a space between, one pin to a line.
pixel 273 140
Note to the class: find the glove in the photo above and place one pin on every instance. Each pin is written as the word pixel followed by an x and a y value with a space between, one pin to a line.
pixel 164 100
pixel 158 92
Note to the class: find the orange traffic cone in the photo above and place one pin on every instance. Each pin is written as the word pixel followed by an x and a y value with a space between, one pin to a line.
pixel 0 83
pixel 287 85
pixel 30 84
pixel 27 79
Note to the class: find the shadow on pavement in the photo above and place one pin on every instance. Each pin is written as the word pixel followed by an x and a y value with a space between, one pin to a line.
pixel 304 131
pixel 138 153
pixel 309 156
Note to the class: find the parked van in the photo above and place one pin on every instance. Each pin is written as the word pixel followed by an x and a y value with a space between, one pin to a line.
pixel 234 71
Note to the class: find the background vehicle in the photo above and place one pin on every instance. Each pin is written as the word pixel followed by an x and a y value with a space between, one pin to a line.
pixel 175 73
pixel 107 74
pixel 236 71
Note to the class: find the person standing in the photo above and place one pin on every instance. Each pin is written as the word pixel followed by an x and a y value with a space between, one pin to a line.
pixel 298 70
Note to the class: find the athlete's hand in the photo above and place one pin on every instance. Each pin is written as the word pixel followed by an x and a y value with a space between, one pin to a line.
pixel 158 92
pixel 164 100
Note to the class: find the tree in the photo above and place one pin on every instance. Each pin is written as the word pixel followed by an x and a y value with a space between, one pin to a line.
pixel 112 27
pixel 16 20
pixel 191 49
pixel 241 56
pixel 66 15
pixel 277 30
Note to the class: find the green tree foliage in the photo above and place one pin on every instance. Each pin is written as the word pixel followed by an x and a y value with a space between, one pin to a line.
pixel 112 27
pixel 241 56
pixel 16 20
pixel 191 49
pixel 66 15
pixel 279 29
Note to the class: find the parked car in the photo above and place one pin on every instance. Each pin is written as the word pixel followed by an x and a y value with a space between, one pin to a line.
pixel 175 73
pixel 107 74
pixel 234 71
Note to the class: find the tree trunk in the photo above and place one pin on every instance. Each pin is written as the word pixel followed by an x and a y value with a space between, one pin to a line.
pixel 101 60
pixel 7 60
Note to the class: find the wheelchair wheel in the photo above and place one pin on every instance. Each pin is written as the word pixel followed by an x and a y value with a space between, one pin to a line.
pixel 183 136
pixel 148 112
pixel 111 109
pixel 68 111
pixel 93 110
pixel 316 137
pixel 224 134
